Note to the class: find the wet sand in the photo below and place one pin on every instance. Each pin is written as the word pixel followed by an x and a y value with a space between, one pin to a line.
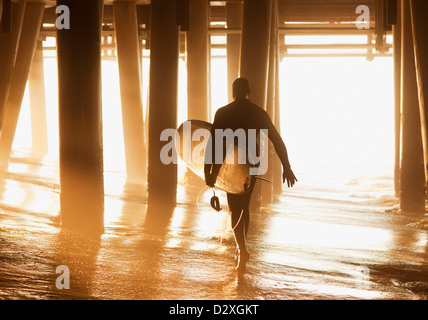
pixel 335 238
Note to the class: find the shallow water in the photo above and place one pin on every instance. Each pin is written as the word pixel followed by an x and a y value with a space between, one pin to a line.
pixel 333 236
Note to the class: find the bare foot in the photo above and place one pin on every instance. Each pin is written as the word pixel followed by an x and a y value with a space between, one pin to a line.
pixel 243 257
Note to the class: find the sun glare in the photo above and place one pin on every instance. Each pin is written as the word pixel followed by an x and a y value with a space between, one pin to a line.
pixel 334 111
pixel 338 111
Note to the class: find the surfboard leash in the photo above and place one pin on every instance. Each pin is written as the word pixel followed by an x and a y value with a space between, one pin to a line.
pixel 200 192
pixel 263 179
pixel 215 202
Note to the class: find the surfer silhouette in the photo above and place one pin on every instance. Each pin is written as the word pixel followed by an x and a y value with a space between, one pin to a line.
pixel 243 114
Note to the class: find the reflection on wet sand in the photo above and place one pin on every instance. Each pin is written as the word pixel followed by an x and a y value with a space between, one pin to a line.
pixel 312 244
pixel 79 253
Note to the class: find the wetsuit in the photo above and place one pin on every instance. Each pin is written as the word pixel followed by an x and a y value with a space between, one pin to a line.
pixel 244 114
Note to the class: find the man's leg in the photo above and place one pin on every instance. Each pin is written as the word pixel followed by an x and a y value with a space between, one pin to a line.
pixel 236 203
pixel 240 219
pixel 246 206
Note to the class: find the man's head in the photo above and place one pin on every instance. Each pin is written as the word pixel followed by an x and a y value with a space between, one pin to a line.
pixel 241 88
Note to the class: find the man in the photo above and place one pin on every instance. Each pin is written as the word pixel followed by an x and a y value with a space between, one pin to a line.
pixel 242 113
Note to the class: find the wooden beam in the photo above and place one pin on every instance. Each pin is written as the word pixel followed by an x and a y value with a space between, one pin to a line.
pixel 27 46
pixel 267 188
pixel 162 178
pixel 397 97
pixel 233 46
pixel 8 50
pixel 39 134
pixel 412 175
pixel 254 61
pixel 419 10
pixel 197 60
pixel 80 118
pixel 128 57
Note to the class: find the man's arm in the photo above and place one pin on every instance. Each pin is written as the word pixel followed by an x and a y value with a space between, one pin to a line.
pixel 281 150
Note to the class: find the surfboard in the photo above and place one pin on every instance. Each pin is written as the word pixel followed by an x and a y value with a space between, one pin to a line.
pixel 191 146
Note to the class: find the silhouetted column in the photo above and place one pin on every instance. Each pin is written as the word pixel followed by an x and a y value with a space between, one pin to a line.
pixel 80 117
pixel 277 168
pixel 128 56
pixel 8 49
pixel 397 96
pixel 267 188
pixel 162 178
pixel 197 46
pixel 419 11
pixel 254 60
pixel 27 45
pixel 234 21
pixel 412 176
pixel 197 60
pixel 39 134
pixel 254 48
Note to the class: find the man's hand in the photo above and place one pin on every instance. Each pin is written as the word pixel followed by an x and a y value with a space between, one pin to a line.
pixel 210 182
pixel 288 175
pixel 211 177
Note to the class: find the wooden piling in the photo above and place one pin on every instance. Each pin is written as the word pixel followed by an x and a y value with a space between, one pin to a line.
pixel 412 176
pixel 39 134
pixel 277 168
pixel 164 50
pixel 254 61
pixel 397 96
pixel 233 44
pixel 197 60
pixel 420 42
pixel 1 8
pixel 267 188
pixel 254 48
pixel 80 118
pixel 32 21
pixel 8 50
pixel 129 62
pixel 197 48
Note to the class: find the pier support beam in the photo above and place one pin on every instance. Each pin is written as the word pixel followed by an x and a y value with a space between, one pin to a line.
pixel 164 50
pixel 267 188
pixel 420 42
pixel 32 22
pixel 254 48
pixel 80 119
pixel 412 176
pixel 254 60
pixel 128 56
pixel 277 168
pixel 39 134
pixel 197 60
pixel 277 165
pixel 233 44
pixel 197 46
pixel 397 96
pixel 9 39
